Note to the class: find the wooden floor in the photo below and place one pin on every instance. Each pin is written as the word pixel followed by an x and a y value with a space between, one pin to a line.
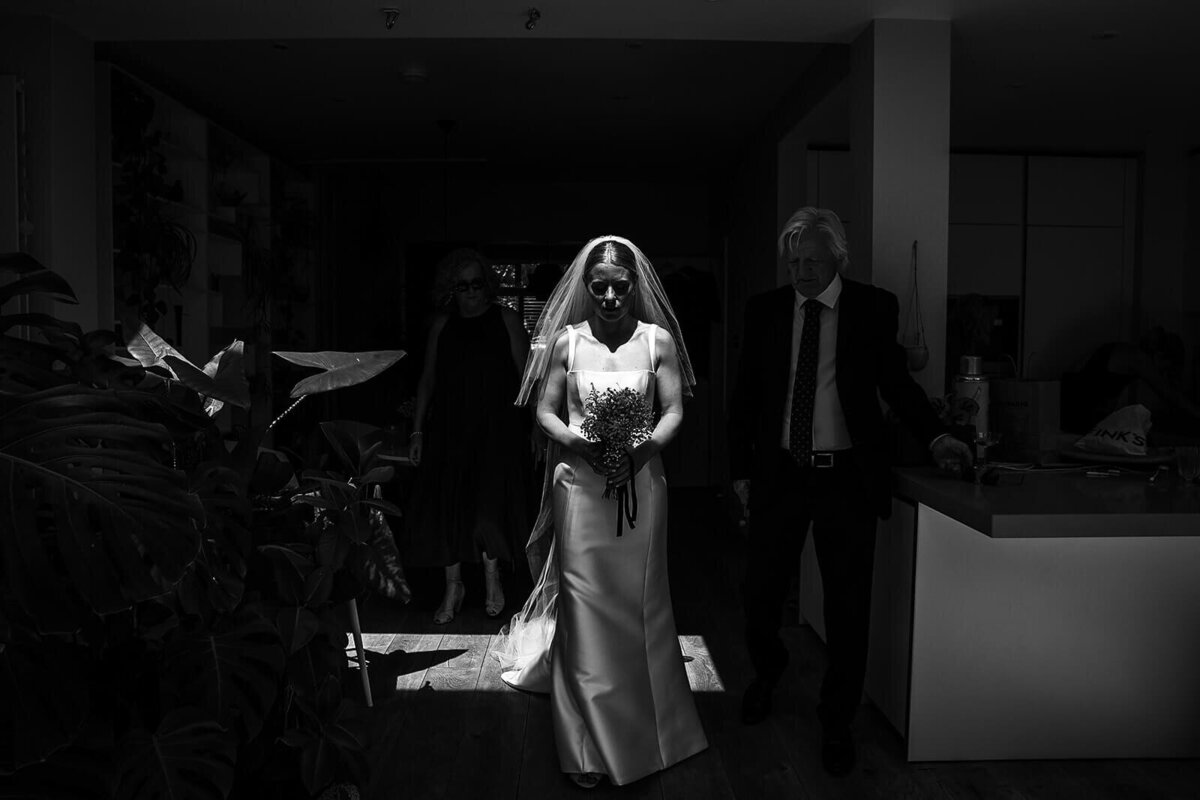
pixel 447 727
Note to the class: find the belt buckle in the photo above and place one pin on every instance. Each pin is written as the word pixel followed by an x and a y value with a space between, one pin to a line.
pixel 822 460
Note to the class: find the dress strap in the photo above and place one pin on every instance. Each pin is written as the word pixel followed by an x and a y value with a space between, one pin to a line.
pixel 653 330
pixel 570 347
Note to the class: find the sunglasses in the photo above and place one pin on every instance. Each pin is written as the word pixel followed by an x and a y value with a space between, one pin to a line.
pixel 474 285
pixel 619 288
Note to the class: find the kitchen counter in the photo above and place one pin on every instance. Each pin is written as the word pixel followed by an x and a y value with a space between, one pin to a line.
pixel 1057 618
pixel 1062 503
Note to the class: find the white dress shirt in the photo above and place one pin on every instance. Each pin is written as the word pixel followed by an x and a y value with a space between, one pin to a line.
pixel 829 422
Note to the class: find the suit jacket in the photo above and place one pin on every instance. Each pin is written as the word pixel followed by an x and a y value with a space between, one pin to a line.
pixel 870 364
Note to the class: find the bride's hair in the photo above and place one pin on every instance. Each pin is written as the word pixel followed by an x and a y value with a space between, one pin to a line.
pixel 613 253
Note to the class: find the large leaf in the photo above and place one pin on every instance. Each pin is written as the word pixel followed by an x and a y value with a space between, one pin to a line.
pixel 233 670
pixel 84 770
pixel 43 685
pixel 19 264
pixel 297 626
pixel 40 282
pixel 339 370
pixel 223 378
pixel 377 563
pixel 189 757
pixel 340 736
pixel 90 510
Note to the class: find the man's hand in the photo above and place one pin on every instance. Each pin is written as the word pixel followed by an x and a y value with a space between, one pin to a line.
pixel 741 488
pixel 952 454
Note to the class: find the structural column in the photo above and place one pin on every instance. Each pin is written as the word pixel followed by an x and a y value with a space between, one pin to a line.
pixel 900 148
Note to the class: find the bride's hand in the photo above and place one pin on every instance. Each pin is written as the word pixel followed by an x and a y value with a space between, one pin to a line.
pixel 589 452
pixel 623 473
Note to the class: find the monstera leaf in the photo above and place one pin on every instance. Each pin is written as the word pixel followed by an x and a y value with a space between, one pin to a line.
pixel 91 515
pixel 189 757
pixel 43 685
pixel 233 669
pixel 84 770
pixel 339 370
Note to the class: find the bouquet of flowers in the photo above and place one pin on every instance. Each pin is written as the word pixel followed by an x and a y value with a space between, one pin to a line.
pixel 619 419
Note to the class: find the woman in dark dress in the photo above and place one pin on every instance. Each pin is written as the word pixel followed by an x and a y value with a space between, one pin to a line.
pixel 469 441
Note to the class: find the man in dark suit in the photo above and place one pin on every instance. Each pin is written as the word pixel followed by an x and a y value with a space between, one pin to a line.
pixel 806 431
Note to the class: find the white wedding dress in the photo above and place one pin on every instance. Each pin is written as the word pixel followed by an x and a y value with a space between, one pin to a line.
pixel 619 691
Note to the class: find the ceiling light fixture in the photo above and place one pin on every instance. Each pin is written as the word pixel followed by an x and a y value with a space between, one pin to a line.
pixel 414 74
pixel 390 15
pixel 533 15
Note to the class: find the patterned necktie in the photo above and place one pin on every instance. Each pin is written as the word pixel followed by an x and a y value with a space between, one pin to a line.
pixel 804 390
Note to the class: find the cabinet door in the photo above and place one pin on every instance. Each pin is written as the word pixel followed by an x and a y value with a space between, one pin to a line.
pixel 986 189
pixel 984 259
pixel 1077 191
pixel 1073 298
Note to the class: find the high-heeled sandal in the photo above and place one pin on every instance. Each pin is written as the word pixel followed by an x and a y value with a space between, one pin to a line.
pixel 585 780
pixel 447 610
pixel 495 590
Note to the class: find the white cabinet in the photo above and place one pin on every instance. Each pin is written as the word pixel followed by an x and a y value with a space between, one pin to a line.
pixel 987 206
pixel 1087 192
pixel 987 189
pixel 1056 231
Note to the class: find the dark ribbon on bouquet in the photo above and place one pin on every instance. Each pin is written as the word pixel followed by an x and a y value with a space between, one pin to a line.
pixel 627 502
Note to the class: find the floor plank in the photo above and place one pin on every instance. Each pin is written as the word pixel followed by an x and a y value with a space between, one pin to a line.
pixel 489 758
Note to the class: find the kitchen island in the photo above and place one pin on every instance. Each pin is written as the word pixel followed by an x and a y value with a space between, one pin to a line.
pixel 1057 617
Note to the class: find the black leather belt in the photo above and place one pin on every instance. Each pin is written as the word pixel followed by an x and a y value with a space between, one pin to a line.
pixel 823 459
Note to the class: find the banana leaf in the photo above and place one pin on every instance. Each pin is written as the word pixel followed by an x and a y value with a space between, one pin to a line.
pixel 189 757
pixel 339 369
pixel 92 514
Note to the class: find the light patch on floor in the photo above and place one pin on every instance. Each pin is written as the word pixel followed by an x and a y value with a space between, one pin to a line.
pixel 457 662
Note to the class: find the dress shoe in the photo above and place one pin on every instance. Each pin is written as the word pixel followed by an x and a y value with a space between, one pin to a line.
pixel 586 780
pixel 837 752
pixel 756 702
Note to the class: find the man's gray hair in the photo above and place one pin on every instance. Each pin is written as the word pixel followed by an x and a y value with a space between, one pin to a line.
pixel 811 219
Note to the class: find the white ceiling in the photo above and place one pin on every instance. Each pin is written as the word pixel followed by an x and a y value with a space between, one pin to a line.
pixel 1026 73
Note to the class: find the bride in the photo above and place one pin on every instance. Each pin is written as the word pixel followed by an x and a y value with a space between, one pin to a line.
pixel 598 632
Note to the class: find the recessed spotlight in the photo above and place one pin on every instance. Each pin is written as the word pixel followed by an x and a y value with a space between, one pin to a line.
pixel 279 45
pixel 414 74
pixel 1101 35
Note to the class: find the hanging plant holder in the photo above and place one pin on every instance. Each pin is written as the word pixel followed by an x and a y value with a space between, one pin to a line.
pixel 916 349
